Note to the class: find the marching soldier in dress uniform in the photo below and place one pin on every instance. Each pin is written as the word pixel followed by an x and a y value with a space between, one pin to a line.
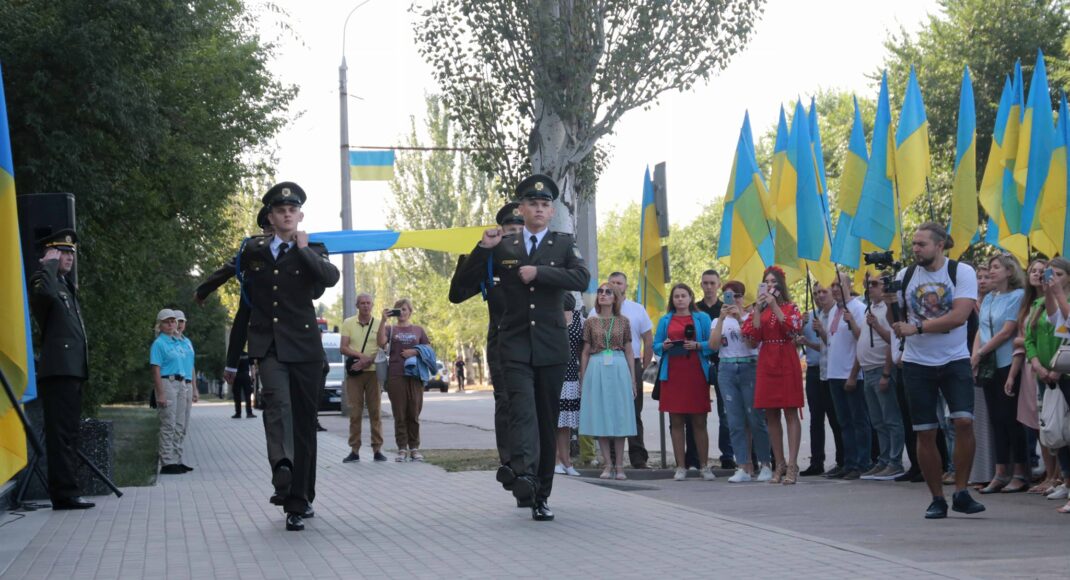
pixel 63 365
pixel 281 276
pixel 536 268
pixel 509 222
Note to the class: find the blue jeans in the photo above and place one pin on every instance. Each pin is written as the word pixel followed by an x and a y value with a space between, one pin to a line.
pixel 737 388
pixel 886 417
pixel 854 425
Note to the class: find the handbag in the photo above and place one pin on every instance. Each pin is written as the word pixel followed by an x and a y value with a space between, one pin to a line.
pixel 656 393
pixel 1054 419
pixel 986 367
pixel 1060 361
pixel 382 358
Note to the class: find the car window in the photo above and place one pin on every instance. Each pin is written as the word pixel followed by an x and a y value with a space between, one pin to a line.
pixel 336 373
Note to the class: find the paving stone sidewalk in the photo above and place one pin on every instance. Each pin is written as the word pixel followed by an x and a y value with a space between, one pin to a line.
pixel 394 520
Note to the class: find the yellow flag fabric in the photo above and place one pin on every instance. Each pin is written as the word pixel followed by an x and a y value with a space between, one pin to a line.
pixel 652 283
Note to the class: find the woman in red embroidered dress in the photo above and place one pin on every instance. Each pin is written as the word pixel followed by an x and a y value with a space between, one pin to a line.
pixel 779 382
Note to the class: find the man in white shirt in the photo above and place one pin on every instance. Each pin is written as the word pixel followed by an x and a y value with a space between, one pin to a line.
pixel 642 333
pixel 843 332
pixel 818 396
pixel 937 302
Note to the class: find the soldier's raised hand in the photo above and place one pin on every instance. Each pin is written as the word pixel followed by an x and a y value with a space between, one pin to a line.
pixel 491 237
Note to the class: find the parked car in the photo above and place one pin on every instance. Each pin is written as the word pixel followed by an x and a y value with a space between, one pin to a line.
pixel 331 398
pixel 440 381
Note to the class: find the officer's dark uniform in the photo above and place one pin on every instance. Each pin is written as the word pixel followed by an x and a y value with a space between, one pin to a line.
pixel 285 338
pixel 533 342
pixel 62 368
pixel 490 287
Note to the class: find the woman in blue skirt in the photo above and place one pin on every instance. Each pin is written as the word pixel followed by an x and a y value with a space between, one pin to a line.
pixel 607 409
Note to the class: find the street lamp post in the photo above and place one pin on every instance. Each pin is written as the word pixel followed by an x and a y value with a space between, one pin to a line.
pixel 348 285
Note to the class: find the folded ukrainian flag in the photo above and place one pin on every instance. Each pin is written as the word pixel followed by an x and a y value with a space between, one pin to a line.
pixel 452 240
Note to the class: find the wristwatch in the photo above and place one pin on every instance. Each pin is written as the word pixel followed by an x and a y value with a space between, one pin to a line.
pixel 918 325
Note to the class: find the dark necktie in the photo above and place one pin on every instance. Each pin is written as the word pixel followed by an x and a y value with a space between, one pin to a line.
pixel 282 250
pixel 534 243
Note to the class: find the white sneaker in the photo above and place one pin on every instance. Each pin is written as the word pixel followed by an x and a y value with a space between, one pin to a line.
pixel 1060 492
pixel 559 469
pixel 740 477
pixel 708 474
pixel 765 474
pixel 680 474
pixel 570 470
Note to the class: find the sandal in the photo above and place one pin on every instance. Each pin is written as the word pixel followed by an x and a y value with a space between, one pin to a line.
pixel 778 476
pixel 1016 488
pixel 620 474
pixel 791 476
pixel 607 473
pixel 1065 509
pixel 996 485
pixel 1041 488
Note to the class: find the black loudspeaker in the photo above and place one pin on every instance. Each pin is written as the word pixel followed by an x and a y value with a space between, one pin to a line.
pixel 41 214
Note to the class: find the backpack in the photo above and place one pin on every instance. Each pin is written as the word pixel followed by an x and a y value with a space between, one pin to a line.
pixel 972 323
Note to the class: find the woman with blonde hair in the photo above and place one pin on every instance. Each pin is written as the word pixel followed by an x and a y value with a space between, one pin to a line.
pixel 406 392
pixel 167 359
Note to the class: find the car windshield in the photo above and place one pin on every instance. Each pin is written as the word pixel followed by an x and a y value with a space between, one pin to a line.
pixel 336 373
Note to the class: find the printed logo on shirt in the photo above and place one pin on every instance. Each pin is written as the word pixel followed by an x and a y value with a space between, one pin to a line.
pixel 931 300
pixel 407 337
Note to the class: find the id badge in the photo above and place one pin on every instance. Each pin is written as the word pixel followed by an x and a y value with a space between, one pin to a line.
pixel 607 357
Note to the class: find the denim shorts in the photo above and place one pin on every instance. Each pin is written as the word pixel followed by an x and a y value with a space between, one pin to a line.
pixel 922 383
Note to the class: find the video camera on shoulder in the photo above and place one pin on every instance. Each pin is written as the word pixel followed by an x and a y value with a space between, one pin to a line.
pixel 888 265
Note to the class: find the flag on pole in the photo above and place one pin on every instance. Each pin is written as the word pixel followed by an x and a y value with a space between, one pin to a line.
pixel 780 157
pixel 811 204
pixel 746 240
pixel 653 282
pixel 822 267
pixel 877 219
pixel 786 236
pixel 1052 210
pixel 964 185
pixel 16 354
pixel 912 163
pixel 847 247
pixel 371 165
pixel 998 193
pixel 1035 147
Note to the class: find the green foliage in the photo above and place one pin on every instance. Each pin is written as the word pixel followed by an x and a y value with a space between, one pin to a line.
pixel 152 114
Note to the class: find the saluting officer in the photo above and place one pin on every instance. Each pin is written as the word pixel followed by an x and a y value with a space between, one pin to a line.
pixel 63 365
pixel 536 268
pixel 282 275
pixel 509 222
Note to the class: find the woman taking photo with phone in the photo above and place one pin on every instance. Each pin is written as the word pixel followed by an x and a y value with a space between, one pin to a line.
pixel 607 409
pixel 406 392
pixel 682 343
pixel 778 387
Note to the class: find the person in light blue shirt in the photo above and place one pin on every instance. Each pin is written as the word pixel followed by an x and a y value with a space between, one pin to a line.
pixel 992 365
pixel 167 358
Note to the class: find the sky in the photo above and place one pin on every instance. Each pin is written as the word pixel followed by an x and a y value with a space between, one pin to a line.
pixel 797 49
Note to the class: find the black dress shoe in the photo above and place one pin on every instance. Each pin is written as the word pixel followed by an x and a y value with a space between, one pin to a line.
pixel 250 415
pixel 185 467
pixel 71 503
pixel 506 477
pixel 540 512
pixel 172 469
pixel 726 465
pixel 937 509
pixel 909 475
pixel 294 523
pixel 282 477
pixel 278 499
pixel 236 415
pixel 524 487
pixel 813 470
pixel 379 456
pixel 963 503
pixel 351 458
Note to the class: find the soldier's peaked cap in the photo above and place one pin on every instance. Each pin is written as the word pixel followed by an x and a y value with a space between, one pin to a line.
pixel 65 239
pixel 509 214
pixel 537 186
pixel 285 192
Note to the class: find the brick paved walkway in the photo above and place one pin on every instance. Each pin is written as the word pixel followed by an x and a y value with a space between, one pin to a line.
pixel 400 520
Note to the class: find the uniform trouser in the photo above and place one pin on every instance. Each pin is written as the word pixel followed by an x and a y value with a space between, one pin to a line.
pixel 61 398
pixel 170 414
pixel 182 417
pixel 243 390
pixel 534 400
pixel 302 381
pixel 363 391
pixel 501 404
pixel 637 453
pixel 406 402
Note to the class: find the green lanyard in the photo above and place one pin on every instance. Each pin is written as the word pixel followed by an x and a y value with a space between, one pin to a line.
pixel 609 332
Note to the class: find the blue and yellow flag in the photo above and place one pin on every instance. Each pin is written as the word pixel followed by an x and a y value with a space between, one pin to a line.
pixel 847 247
pixel 998 193
pixel 964 186
pixel 452 240
pixel 912 162
pixel 653 284
pixel 1052 210
pixel 813 226
pixel 1035 147
pixel 16 350
pixel 780 157
pixel 371 165
pixel 877 219
pixel 786 218
pixel 746 240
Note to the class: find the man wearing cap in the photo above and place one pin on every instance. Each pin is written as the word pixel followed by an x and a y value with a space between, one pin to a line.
pixel 62 366
pixel 281 276
pixel 189 392
pixel 510 222
pixel 536 268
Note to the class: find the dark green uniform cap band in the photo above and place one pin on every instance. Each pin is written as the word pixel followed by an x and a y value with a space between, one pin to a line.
pixel 509 214
pixel 286 192
pixel 537 186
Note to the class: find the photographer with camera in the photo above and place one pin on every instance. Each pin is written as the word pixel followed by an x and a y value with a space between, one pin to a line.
pixel 406 392
pixel 362 384
pixel 938 295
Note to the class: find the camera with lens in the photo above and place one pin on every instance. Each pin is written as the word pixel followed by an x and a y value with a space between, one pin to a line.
pixel 887 263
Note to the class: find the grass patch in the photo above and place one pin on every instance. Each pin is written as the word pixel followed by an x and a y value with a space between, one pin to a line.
pixel 136 432
pixel 462 459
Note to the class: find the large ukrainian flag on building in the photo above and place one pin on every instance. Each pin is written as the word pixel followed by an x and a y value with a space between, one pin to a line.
pixel 16 356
